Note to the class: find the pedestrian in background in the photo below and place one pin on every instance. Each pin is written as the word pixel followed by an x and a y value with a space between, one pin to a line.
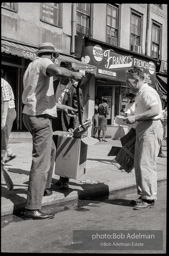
pixel 96 117
pixel 39 108
pixel 149 134
pixel 8 113
pixel 103 110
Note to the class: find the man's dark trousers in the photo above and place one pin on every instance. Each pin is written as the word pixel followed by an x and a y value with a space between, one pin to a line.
pixel 43 158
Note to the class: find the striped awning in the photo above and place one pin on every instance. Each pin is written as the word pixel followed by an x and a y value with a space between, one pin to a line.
pixel 18 49
pixel 161 85
pixel 30 53
pixel 162 79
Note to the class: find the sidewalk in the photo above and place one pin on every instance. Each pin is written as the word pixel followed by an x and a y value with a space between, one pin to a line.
pixel 102 175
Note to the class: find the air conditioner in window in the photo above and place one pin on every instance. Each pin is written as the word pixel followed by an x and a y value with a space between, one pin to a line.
pixel 136 48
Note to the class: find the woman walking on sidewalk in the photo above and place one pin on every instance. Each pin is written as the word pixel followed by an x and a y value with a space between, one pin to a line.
pixel 103 111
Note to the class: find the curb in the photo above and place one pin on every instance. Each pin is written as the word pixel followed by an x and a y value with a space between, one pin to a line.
pixel 88 191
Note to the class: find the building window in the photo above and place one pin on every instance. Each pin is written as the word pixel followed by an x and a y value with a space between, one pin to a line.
pixel 10 6
pixel 135 34
pixel 83 18
pixel 156 38
pixel 52 13
pixel 112 25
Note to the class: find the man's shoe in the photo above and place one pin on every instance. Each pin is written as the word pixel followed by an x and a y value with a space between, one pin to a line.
pixel 137 201
pixel 47 192
pixel 144 204
pixel 161 155
pixel 37 214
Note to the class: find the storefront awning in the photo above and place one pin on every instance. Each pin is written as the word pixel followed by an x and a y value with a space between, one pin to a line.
pixel 27 52
pixel 161 84
pixel 18 49
pixel 163 79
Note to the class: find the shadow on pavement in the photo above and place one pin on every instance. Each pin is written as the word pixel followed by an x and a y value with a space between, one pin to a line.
pixel 86 190
pixel 19 171
pixel 120 201
pixel 14 198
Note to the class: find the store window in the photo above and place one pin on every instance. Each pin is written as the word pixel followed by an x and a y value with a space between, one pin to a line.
pixel 10 6
pixel 135 34
pixel 156 39
pixel 83 18
pixel 52 13
pixel 112 25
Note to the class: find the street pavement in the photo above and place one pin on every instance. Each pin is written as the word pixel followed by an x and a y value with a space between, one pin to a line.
pixel 102 177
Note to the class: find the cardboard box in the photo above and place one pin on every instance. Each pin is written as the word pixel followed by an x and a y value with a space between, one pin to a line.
pixel 121 120
pixel 71 154
pixel 125 156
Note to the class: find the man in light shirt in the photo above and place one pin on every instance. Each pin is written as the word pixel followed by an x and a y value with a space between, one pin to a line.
pixel 149 134
pixel 39 108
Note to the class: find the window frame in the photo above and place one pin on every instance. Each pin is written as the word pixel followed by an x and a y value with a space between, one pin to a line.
pixel 60 11
pixel 108 38
pixel 135 13
pixel 154 23
pixel 88 16
pixel 10 9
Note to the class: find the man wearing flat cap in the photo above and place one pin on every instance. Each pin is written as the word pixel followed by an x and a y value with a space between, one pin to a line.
pixel 39 108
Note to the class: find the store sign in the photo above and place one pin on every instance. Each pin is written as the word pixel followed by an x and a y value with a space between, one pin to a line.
pixel 106 72
pixel 117 61
pixel 112 64
pixel 98 53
